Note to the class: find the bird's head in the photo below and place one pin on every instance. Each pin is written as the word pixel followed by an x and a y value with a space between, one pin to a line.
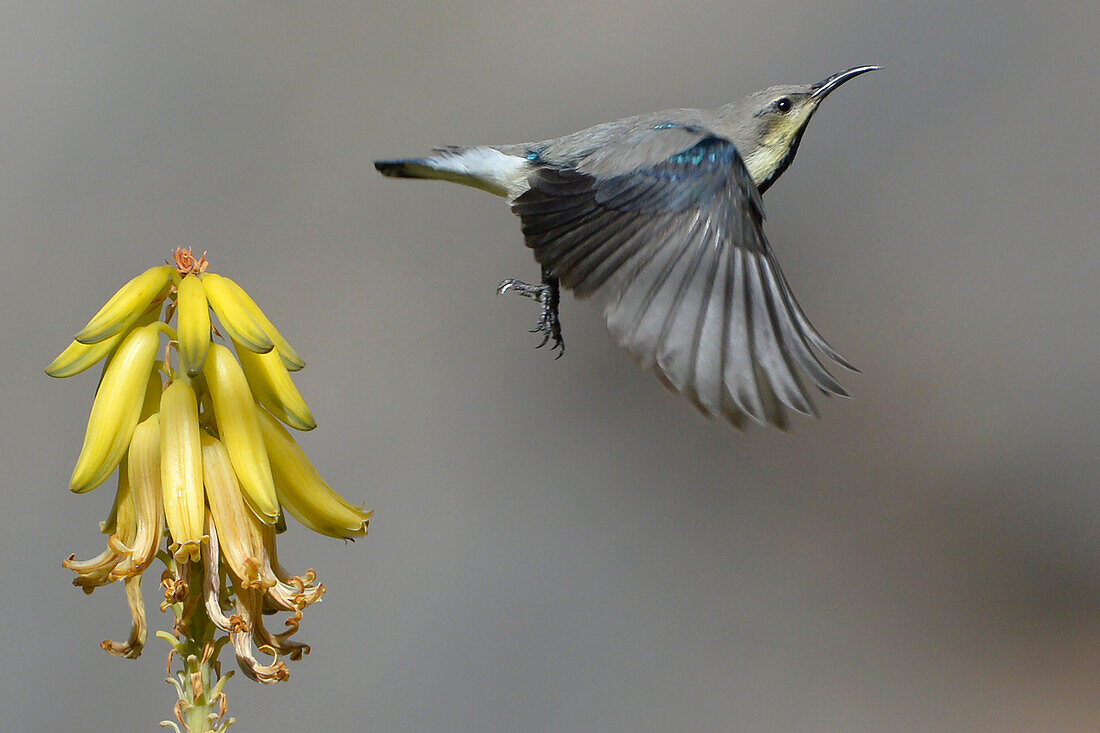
pixel 768 125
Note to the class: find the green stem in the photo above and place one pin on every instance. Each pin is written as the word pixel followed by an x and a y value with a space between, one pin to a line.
pixel 199 684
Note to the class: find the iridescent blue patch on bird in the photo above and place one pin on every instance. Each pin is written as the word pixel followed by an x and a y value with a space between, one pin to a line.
pixel 532 155
pixel 712 149
pixel 665 126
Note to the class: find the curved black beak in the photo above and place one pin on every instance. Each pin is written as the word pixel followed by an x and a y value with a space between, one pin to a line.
pixel 822 88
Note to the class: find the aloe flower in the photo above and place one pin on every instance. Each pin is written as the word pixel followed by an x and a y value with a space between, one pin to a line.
pixel 206 472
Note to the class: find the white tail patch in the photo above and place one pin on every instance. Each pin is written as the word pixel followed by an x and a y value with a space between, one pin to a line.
pixel 484 168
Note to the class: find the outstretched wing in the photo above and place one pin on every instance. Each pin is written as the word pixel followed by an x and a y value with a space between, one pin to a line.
pixel 675 254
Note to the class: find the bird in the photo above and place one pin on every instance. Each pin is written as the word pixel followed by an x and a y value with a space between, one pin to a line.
pixel 658 219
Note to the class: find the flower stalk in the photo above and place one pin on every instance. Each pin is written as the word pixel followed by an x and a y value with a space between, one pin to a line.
pixel 200 683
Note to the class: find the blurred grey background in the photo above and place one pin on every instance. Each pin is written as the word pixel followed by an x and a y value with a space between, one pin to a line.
pixel 562 545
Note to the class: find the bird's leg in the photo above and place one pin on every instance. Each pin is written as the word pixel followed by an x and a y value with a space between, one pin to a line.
pixel 548 294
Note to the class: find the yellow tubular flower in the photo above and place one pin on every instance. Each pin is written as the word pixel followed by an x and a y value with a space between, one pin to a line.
pixel 303 492
pixel 136 519
pixel 145 499
pixel 145 495
pixel 273 388
pixel 235 319
pixel 193 324
pixel 289 356
pixel 122 509
pixel 77 356
pixel 127 304
pixel 121 525
pixel 116 409
pixel 239 540
pixel 181 469
pixel 125 513
pixel 153 389
pixel 239 428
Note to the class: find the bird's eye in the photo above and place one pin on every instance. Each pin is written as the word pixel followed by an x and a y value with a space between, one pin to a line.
pixel 783 104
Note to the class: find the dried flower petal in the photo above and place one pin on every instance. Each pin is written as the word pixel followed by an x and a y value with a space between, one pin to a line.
pixel 132 647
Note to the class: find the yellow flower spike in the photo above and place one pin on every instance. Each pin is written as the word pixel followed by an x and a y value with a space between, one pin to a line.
pixel 181 469
pixel 273 388
pixel 303 492
pixel 193 460
pixel 239 428
pixel 240 543
pixel 289 356
pixel 116 408
pixel 235 319
pixel 192 324
pixel 145 498
pixel 127 305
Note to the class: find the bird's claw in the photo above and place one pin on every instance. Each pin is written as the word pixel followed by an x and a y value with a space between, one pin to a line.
pixel 550 327
pixel 547 296
pixel 527 290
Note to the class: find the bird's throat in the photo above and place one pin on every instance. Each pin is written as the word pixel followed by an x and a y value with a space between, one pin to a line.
pixel 768 162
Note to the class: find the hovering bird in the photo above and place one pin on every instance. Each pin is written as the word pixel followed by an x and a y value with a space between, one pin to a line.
pixel 658 218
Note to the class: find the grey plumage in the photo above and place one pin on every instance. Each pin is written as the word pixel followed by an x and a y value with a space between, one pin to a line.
pixel 658 219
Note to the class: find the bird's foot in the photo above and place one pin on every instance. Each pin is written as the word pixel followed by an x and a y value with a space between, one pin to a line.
pixel 548 296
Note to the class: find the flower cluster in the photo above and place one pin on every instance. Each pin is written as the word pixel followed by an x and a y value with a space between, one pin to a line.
pixel 203 470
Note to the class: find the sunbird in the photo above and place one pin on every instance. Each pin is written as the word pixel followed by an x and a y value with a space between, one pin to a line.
pixel 658 218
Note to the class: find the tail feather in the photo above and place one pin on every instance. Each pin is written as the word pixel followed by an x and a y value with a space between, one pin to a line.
pixel 408 168
pixel 486 168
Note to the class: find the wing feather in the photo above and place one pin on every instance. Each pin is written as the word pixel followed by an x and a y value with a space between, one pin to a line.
pixel 592 270
pixel 771 357
pixel 740 369
pixel 709 347
pixel 635 322
pixel 677 343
